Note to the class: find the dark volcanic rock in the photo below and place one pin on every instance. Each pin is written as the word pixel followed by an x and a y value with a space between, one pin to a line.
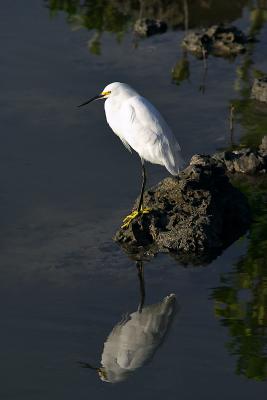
pixel 148 27
pixel 217 40
pixel 194 216
pixel 245 161
pixel 259 89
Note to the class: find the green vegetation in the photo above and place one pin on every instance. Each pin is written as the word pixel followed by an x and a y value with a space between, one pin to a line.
pixel 101 16
pixel 241 300
pixel 181 70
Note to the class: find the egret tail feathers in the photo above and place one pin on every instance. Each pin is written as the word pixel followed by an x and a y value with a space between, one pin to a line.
pixel 175 163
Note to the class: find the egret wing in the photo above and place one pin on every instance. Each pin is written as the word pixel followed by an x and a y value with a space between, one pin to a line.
pixel 128 147
pixel 149 135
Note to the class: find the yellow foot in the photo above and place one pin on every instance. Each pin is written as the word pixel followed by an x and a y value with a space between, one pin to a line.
pixel 127 220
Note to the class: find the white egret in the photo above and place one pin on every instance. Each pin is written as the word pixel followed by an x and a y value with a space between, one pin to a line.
pixel 140 127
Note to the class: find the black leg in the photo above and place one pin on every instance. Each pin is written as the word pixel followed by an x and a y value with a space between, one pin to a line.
pixel 143 185
pixel 140 268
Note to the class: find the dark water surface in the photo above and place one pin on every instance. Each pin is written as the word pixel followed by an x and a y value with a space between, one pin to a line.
pixel 66 182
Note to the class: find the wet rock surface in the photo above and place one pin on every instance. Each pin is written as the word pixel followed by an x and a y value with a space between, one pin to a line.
pixel 145 27
pixel 259 89
pixel 193 217
pixel 245 161
pixel 218 40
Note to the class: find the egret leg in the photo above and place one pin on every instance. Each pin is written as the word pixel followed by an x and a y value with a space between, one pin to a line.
pixel 143 186
pixel 140 210
pixel 140 269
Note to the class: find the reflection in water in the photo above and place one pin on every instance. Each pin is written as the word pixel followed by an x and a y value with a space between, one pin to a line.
pixel 181 70
pixel 202 86
pixel 241 300
pixel 134 340
pixel 140 269
pixel 118 17
pixel 250 114
pixel 231 124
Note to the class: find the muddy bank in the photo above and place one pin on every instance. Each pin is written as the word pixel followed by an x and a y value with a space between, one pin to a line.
pixel 193 217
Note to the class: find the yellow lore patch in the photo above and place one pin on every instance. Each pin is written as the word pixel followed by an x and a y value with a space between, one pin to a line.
pixel 106 93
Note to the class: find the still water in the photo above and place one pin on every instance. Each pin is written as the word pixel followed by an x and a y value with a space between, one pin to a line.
pixel 68 294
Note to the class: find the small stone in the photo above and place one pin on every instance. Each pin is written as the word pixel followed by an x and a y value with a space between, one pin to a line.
pixel 247 164
pixel 244 161
pixel 259 89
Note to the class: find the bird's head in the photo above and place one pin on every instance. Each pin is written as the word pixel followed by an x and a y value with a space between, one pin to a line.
pixel 100 370
pixel 112 90
pixel 104 375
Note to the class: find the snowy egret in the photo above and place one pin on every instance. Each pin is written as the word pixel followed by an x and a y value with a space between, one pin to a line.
pixel 134 340
pixel 140 127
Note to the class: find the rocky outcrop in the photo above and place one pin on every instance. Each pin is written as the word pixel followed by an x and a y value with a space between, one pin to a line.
pixel 193 216
pixel 245 161
pixel 145 27
pixel 218 40
pixel 259 89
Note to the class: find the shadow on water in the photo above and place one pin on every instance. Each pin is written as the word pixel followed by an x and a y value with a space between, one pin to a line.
pixel 241 299
pixel 134 340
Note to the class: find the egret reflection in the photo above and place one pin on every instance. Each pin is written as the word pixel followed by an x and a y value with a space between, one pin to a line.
pixel 134 340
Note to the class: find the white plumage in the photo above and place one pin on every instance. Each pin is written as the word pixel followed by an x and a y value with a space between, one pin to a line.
pixel 134 340
pixel 140 125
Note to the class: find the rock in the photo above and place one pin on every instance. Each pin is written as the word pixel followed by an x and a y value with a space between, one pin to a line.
pixel 245 161
pixel 147 27
pixel 259 89
pixel 193 217
pixel 263 146
pixel 218 40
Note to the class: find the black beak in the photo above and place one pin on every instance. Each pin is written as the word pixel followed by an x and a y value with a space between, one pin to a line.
pixel 99 96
